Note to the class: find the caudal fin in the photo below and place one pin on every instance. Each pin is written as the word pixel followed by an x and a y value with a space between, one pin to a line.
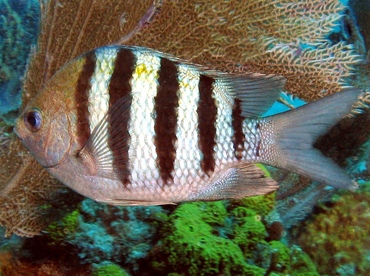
pixel 296 131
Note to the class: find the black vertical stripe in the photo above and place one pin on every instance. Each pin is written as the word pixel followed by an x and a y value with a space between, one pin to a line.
pixel 258 148
pixel 166 104
pixel 237 123
pixel 119 85
pixel 119 112
pixel 82 98
pixel 207 115
pixel 259 141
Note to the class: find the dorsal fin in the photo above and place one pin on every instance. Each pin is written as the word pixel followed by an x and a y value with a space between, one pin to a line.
pixel 256 92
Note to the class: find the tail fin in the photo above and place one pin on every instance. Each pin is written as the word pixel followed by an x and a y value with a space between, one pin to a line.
pixel 298 130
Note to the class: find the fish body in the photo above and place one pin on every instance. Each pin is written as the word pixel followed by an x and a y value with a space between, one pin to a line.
pixel 133 126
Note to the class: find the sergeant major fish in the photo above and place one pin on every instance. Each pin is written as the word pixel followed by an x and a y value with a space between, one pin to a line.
pixel 133 126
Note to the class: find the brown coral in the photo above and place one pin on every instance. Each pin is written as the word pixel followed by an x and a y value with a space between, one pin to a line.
pixel 338 235
pixel 236 36
pixel 58 264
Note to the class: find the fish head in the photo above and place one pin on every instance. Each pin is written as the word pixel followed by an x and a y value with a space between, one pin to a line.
pixel 47 126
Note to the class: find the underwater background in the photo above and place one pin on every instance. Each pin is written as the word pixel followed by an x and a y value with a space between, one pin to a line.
pixel 304 228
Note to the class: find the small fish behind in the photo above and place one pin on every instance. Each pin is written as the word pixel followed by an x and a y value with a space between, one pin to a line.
pixel 133 126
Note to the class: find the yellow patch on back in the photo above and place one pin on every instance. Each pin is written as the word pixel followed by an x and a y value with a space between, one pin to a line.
pixel 141 69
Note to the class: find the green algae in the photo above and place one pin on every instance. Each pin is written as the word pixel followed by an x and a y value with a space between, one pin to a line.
pixel 280 257
pixel 191 244
pixel 249 230
pixel 108 269
pixel 60 230
pixel 262 204
pixel 191 247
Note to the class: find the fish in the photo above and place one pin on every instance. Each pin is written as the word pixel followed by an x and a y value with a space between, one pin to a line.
pixel 129 125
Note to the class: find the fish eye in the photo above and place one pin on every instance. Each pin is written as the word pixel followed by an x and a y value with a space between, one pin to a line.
pixel 33 120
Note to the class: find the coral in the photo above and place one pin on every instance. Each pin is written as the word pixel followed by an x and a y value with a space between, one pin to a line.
pixel 302 196
pixel 191 244
pixel 6 133
pixel 281 260
pixel 249 231
pixel 337 236
pixel 359 165
pixel 280 257
pixel 346 138
pixel 100 232
pixel 7 245
pixel 301 263
pixel 197 239
pixel 55 268
pixel 262 204
pixel 19 22
pixel 96 234
pixel 34 258
pixel 60 230
pixel 190 247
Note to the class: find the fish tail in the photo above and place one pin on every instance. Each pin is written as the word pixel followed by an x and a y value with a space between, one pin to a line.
pixel 296 131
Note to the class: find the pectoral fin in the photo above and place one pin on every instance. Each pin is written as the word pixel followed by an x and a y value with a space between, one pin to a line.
pixel 106 151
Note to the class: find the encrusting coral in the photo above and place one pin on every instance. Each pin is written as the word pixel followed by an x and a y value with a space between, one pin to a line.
pixel 337 236
pixel 236 36
pixel 100 232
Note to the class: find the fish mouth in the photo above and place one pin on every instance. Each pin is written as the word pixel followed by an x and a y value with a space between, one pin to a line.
pixel 51 166
pixel 16 132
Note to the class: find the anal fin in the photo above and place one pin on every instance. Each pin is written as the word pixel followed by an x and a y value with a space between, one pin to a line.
pixel 125 202
pixel 238 180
